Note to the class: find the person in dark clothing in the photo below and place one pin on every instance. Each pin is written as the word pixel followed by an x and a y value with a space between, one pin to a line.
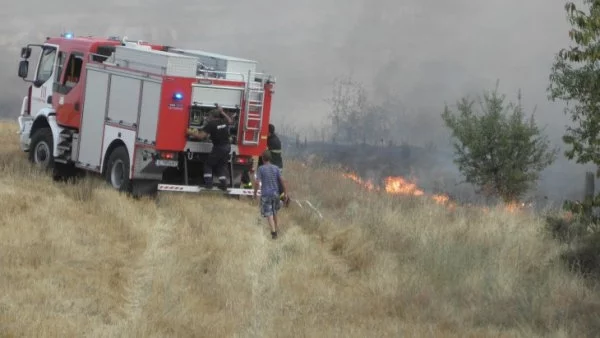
pixel 217 128
pixel 274 146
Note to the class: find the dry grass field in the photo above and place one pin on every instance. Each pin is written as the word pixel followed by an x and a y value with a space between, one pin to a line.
pixel 82 260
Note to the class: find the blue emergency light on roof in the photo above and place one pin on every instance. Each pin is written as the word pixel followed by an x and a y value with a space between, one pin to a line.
pixel 177 96
pixel 68 35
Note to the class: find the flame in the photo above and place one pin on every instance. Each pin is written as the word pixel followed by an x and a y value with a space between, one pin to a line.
pixel 398 185
pixel 514 207
pixel 441 199
pixel 368 185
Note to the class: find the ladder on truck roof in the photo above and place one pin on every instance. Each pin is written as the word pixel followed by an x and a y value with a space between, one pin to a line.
pixel 253 111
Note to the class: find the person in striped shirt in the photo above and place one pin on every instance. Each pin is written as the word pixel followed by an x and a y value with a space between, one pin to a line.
pixel 271 182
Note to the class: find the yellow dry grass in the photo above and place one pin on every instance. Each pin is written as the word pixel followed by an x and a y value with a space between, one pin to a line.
pixel 83 260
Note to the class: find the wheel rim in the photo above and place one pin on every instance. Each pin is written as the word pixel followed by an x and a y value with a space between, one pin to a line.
pixel 41 154
pixel 117 173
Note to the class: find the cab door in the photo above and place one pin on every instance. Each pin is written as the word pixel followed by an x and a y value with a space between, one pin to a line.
pixel 41 91
pixel 67 98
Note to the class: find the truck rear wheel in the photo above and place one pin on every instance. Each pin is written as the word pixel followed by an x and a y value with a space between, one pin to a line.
pixel 41 149
pixel 239 176
pixel 117 169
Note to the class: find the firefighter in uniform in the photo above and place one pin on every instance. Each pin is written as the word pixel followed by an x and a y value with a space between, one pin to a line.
pixel 217 128
pixel 274 146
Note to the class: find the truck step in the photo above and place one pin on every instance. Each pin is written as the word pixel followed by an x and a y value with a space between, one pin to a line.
pixel 65 135
pixel 200 189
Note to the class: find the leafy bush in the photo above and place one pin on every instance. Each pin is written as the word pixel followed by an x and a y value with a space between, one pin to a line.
pixel 496 149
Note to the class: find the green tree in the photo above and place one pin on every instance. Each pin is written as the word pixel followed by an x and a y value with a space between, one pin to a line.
pixel 575 78
pixel 497 148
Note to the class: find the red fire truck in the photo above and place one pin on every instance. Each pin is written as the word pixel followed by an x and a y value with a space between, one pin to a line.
pixel 122 108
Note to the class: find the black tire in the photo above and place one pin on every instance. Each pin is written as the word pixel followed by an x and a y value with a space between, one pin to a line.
pixel 240 173
pixel 41 149
pixel 117 170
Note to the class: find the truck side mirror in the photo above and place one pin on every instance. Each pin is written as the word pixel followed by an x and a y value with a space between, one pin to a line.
pixel 25 52
pixel 23 69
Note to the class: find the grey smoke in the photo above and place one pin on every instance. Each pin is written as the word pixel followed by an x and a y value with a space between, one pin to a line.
pixel 421 53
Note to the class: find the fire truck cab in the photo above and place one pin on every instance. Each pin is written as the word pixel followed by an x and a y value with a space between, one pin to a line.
pixel 122 108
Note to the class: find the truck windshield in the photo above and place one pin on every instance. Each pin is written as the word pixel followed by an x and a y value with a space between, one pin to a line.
pixel 46 64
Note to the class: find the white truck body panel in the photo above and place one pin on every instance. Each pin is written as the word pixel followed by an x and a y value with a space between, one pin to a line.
pixel 243 67
pixel 26 122
pixel 56 129
pixel 230 68
pixel 24 106
pixel 112 133
pixel 156 62
pixel 123 99
pixel 120 105
pixel 207 96
pixel 150 109
pixel 92 124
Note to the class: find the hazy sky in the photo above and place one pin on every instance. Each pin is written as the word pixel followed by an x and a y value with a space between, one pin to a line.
pixel 418 51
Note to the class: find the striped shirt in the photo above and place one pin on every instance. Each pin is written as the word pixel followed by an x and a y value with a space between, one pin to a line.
pixel 268 175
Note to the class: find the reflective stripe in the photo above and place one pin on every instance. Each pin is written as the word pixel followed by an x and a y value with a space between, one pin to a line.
pixel 276 151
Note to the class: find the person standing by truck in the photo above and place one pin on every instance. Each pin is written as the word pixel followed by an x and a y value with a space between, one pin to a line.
pixel 271 182
pixel 217 128
pixel 274 146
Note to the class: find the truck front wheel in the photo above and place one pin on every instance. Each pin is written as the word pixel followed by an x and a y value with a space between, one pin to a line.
pixel 117 169
pixel 41 149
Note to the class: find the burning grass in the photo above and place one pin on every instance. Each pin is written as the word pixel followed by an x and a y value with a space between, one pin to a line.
pixel 400 186
pixel 82 260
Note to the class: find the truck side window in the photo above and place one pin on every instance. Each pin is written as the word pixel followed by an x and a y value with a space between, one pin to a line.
pixel 73 70
pixel 60 65
pixel 46 64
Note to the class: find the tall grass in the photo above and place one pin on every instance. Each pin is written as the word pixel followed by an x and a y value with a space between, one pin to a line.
pixel 82 260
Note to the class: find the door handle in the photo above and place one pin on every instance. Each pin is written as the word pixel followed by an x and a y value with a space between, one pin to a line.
pixel 77 106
